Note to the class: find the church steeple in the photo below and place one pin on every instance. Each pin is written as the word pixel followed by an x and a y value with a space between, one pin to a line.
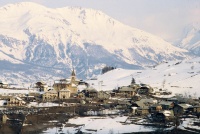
pixel 73 73
pixel 73 76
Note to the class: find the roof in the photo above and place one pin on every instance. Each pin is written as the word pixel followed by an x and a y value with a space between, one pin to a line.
pixel 126 89
pixel 167 112
pixel 3 82
pixel 148 100
pixel 51 91
pixel 42 82
pixel 165 103
pixel 64 90
pixel 73 73
pixel 73 85
pixel 104 92
pixel 185 106
pixel 91 89
pixel 142 105
pixel 15 97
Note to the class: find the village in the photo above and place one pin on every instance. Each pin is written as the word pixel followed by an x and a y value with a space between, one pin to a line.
pixel 25 110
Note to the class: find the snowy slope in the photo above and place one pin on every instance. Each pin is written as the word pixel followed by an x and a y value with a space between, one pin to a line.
pixel 84 38
pixel 178 76
pixel 191 38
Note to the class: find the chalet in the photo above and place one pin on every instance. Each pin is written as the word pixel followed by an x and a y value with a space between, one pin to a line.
pixel 163 116
pixel 196 109
pixel 81 95
pixel 4 84
pixel 71 84
pixel 102 95
pixel 136 97
pixel 127 91
pixel 155 108
pixel 50 95
pixel 145 90
pixel 123 104
pixel 175 100
pixel 64 94
pixel 167 105
pixel 143 106
pixel 42 86
pixel 182 108
pixel 142 110
pixel 15 101
pixel 90 92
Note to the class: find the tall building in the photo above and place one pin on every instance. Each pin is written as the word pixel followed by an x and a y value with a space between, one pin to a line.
pixel 70 84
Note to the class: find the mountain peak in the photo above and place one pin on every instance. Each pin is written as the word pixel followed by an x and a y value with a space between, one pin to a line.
pixel 85 38
pixel 23 5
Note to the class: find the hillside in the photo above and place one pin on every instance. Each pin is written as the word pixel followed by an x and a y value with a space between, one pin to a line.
pixel 176 76
pixel 191 38
pixel 40 38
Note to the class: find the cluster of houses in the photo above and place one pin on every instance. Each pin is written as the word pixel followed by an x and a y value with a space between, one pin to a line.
pixel 135 99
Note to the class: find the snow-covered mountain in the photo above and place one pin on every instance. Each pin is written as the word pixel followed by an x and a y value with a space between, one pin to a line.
pixel 191 38
pixel 181 76
pixel 34 37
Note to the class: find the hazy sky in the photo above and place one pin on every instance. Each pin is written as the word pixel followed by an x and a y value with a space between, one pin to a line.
pixel 164 18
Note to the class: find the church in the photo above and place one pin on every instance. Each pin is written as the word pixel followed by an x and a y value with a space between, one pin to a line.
pixel 70 84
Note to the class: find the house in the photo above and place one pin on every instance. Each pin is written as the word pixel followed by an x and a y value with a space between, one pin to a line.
pixel 155 108
pixel 182 108
pixel 175 100
pixel 162 116
pixel 4 118
pixel 142 110
pixel 90 92
pixel 4 84
pixel 50 95
pixel 15 101
pixel 167 105
pixel 127 91
pixel 123 104
pixel 42 86
pixel 102 95
pixel 81 95
pixel 71 84
pixel 196 109
pixel 145 90
pixel 64 94
pixel 143 107
pixel 136 97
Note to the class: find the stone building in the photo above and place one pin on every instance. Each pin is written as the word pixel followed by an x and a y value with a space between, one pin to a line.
pixel 71 84
pixel 102 95
pixel 15 101
pixel 4 84
pixel 50 95
pixel 64 94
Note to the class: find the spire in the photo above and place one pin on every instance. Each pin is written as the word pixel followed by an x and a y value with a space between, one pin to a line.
pixel 73 73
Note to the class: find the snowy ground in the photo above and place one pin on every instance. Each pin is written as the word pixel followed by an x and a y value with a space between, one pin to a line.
pixel 47 104
pixel 16 91
pixel 176 76
pixel 189 123
pixel 101 125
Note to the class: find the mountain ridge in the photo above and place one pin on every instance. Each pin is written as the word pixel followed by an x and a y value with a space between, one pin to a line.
pixel 87 39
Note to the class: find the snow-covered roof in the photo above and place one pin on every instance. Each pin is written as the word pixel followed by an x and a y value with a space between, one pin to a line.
pixel 64 90
pixel 2 102
pixel 51 91
pixel 185 106
pixel 74 85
